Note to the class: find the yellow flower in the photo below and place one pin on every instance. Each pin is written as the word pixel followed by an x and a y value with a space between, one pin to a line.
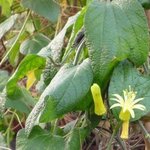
pixel 127 103
pixel 99 107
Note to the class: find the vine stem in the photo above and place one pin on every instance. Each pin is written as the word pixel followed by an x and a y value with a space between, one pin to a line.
pixel 21 31
pixel 113 135
pixel 8 129
pixel 78 52
pixel 55 127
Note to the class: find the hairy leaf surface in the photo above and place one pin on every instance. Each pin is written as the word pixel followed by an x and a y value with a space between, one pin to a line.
pixel 63 94
pixel 115 31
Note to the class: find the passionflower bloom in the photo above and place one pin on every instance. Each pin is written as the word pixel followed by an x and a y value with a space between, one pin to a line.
pixel 127 103
pixel 99 107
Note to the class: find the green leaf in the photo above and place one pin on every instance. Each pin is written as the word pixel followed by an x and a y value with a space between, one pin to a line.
pixel 123 76
pixel 54 51
pixel 3 79
pixel 47 8
pixel 39 140
pixel 7 25
pixel 54 48
pixel 76 29
pixel 6 4
pixel 115 31
pixel 76 138
pixel 21 100
pixel 14 54
pixel 29 63
pixel 34 44
pixel 63 94
pixel 2 141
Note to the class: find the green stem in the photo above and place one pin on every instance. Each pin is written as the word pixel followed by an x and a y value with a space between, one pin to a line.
pixel 20 33
pixel 54 127
pixel 8 129
pixel 113 135
pixel 78 52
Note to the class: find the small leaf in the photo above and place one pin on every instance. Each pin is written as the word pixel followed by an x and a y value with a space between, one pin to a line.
pixel 7 25
pixel 2 141
pixel 3 79
pixel 21 100
pixel 34 44
pixel 115 31
pixel 76 138
pixel 29 63
pixel 123 76
pixel 63 94
pixel 47 8
pixel 39 140
pixel 76 28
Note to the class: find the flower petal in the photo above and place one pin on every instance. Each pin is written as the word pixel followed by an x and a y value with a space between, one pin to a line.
pixel 115 105
pixel 118 96
pixel 115 99
pixel 132 113
pixel 137 100
pixel 139 106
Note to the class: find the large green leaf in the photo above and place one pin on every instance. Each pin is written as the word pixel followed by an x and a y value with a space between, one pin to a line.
pixel 34 44
pixel 47 8
pixel 123 76
pixel 114 31
pixel 63 94
pixel 39 140
pixel 7 25
pixel 29 63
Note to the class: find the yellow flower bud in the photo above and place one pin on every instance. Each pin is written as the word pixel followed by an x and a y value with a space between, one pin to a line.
pixel 99 107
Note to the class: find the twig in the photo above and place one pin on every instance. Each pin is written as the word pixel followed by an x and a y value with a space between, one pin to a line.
pixel 19 121
pixel 144 131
